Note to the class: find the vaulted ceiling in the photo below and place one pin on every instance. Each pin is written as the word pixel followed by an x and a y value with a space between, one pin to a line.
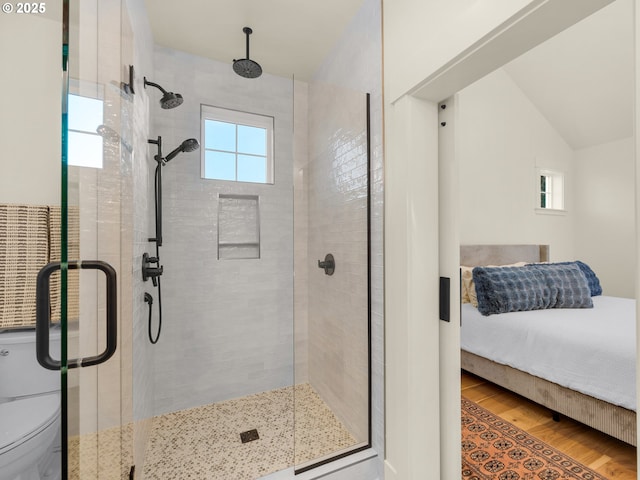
pixel 582 79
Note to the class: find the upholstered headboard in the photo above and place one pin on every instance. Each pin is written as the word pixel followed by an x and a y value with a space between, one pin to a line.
pixel 478 255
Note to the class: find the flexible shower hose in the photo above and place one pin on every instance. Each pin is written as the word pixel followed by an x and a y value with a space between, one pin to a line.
pixel 149 299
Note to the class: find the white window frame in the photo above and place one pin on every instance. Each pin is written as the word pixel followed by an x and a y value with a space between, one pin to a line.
pixel 555 195
pixel 209 112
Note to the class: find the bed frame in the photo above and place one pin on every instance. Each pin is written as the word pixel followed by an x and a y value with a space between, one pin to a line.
pixel 611 419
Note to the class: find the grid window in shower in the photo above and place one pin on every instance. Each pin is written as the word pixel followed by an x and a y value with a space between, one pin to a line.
pixel 86 116
pixel 238 146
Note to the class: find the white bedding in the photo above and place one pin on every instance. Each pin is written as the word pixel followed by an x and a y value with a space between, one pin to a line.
pixel 590 350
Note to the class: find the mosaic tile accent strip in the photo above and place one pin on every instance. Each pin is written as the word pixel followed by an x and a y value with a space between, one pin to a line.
pixel 204 442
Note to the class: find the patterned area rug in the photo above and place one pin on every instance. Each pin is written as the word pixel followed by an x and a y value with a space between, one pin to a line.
pixel 493 449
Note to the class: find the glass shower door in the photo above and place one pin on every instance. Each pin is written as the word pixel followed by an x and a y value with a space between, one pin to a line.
pixel 63 238
pixel 96 243
pixel 332 409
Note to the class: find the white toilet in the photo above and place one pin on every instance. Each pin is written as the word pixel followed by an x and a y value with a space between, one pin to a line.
pixel 29 409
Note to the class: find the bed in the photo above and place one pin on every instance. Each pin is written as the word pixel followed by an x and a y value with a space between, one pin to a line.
pixel 546 355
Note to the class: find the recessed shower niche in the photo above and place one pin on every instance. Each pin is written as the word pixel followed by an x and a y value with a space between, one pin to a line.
pixel 238 226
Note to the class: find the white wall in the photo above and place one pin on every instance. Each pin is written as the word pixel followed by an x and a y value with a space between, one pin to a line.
pixel 30 126
pixel 604 235
pixel 501 138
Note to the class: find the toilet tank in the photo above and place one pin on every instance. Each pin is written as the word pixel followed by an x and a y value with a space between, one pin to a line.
pixel 20 371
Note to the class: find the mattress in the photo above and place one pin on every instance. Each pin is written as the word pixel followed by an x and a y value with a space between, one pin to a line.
pixel 590 350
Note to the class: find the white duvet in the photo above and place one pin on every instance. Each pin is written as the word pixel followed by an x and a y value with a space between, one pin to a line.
pixel 590 350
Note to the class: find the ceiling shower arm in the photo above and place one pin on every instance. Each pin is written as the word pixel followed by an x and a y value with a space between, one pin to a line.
pixel 248 32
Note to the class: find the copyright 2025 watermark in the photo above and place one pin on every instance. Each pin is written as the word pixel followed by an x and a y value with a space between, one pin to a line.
pixel 24 7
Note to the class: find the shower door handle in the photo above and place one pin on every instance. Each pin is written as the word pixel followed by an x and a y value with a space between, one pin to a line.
pixel 43 313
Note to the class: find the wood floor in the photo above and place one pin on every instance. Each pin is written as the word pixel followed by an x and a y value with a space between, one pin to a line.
pixel 609 457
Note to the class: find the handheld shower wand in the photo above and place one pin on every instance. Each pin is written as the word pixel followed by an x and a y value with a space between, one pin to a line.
pixel 155 272
pixel 189 145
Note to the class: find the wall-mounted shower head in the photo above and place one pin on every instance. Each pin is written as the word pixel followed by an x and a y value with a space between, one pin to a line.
pixel 108 133
pixel 111 136
pixel 189 145
pixel 246 67
pixel 169 99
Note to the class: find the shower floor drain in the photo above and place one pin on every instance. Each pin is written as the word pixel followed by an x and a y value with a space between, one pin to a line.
pixel 249 436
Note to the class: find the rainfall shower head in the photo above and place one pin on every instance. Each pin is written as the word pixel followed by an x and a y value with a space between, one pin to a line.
pixel 169 99
pixel 189 145
pixel 246 67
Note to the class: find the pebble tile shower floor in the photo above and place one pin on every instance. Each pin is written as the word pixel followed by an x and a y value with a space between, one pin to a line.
pixel 204 443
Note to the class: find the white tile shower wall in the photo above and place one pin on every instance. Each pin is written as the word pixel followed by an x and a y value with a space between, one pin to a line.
pixel 301 233
pixel 355 64
pixel 143 361
pixel 338 315
pixel 227 324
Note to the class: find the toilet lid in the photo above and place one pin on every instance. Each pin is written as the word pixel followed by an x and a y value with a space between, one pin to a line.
pixel 20 418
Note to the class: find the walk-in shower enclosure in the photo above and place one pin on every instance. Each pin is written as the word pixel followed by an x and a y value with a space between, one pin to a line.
pixel 264 334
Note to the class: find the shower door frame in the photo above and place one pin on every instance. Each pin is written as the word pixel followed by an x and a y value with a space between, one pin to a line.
pixel 332 458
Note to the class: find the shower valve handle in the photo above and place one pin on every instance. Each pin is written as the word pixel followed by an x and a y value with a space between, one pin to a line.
pixel 151 272
pixel 328 265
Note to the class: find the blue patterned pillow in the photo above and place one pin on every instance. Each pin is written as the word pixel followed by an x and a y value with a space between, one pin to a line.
pixel 568 283
pixel 510 289
pixel 532 287
pixel 592 279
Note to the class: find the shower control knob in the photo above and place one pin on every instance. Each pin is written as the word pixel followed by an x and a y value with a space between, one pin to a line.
pixel 328 265
pixel 149 272
pixel 4 353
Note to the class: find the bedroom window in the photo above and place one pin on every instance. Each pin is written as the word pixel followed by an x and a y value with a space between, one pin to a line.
pixel 550 191
pixel 238 146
